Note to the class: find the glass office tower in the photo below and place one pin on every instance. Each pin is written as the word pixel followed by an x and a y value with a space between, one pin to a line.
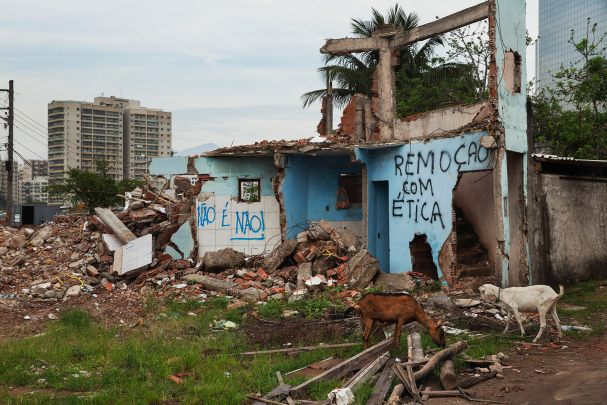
pixel 557 19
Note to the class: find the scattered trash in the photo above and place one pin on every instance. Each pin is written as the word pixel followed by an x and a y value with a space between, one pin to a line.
pixel 568 328
pixel 341 396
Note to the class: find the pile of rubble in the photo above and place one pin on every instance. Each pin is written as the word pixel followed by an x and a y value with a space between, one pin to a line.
pixel 150 246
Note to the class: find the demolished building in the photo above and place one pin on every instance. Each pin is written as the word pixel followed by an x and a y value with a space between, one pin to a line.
pixel 392 182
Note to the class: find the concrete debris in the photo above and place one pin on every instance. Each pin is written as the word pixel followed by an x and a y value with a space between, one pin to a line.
pixel 279 255
pixel 223 259
pixel 441 301
pixel 361 269
pixel 394 281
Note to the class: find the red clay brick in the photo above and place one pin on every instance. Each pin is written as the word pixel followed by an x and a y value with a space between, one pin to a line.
pixel 262 274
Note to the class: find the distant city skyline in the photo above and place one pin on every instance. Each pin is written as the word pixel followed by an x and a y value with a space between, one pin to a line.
pixel 226 80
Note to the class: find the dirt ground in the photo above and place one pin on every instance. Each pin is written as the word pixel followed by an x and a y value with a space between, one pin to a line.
pixel 110 308
pixel 571 375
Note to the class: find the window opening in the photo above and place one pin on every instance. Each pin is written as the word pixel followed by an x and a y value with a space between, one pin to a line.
pixel 248 190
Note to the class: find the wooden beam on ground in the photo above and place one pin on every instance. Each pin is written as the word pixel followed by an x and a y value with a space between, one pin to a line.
pixel 115 225
pixel 451 22
pixel 297 349
pixel 452 393
pixel 281 389
pixel 416 343
pixel 381 387
pixel 367 372
pixel 339 371
pixel 281 382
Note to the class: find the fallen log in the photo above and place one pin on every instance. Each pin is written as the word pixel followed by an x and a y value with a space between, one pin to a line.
pixel 397 392
pixel 447 375
pixel 476 380
pixel 440 357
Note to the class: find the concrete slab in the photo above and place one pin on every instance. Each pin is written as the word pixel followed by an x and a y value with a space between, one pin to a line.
pixel 137 254
pixel 112 241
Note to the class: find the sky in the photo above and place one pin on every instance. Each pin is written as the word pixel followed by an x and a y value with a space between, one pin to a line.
pixel 231 72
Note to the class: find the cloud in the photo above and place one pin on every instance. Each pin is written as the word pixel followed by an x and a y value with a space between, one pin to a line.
pixel 185 55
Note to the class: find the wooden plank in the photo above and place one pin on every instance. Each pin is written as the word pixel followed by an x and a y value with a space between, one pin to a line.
pixel 348 45
pixel 452 22
pixel 281 382
pixel 418 351
pixel 339 371
pixel 369 371
pixel 281 389
pixel 381 387
pixel 115 225
pixel 296 349
pixel 454 393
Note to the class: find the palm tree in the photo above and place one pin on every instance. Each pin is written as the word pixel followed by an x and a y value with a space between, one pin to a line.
pixel 352 74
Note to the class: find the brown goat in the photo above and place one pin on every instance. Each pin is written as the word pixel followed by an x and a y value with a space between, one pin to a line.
pixel 381 310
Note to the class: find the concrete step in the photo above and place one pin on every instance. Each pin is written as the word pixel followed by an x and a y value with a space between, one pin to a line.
pixel 467 240
pixel 481 271
pixel 472 258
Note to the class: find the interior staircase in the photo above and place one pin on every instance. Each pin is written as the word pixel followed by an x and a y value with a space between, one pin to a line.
pixel 472 257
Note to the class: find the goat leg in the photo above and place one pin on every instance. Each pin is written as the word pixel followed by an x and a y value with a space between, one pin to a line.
pixel 517 315
pixel 508 320
pixel 542 324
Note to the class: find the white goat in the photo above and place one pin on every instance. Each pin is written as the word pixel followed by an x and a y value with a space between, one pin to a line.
pixel 536 298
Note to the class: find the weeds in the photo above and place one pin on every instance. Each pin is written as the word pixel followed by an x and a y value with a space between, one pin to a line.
pixel 75 318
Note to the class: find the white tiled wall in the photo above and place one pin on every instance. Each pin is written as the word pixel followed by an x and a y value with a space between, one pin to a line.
pixel 216 232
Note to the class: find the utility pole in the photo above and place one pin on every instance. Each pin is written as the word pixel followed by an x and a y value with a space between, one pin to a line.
pixel 9 163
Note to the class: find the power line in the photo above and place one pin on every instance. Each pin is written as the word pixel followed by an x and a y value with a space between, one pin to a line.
pixel 30 165
pixel 31 119
pixel 31 151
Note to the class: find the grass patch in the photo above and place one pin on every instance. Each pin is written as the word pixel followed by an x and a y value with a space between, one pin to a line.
pixel 586 295
pixel 86 362
pixel 75 318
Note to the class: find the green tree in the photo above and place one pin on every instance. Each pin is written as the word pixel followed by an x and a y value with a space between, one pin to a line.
pixel 571 115
pixel 352 74
pixel 91 189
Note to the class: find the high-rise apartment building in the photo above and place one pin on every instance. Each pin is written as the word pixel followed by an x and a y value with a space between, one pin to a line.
pixel 117 130
pixel 17 175
pixel 556 20
pixel 34 168
pixel 147 134
pixel 80 132
pixel 31 190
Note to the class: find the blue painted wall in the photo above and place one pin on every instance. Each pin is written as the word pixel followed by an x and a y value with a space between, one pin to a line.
pixel 234 168
pixel 168 166
pixel 380 216
pixel 310 185
pixel 421 178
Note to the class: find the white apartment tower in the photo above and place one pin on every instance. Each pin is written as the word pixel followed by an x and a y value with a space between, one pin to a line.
pixel 117 130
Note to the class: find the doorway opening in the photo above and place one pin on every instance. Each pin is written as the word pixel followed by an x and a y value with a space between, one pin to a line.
pixel 27 215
